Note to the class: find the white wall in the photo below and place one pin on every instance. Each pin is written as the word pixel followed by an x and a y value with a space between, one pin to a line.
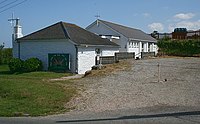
pixel 40 49
pixel 15 46
pixel 86 59
pixel 108 51
pixel 87 56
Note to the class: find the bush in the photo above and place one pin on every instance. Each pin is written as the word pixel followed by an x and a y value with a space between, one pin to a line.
pixel 32 64
pixel 5 55
pixel 16 65
pixel 29 65
pixel 179 47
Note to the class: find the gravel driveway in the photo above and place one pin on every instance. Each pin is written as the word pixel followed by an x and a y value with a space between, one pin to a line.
pixel 139 87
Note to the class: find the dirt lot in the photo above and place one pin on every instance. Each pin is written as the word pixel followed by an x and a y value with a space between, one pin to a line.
pixel 139 87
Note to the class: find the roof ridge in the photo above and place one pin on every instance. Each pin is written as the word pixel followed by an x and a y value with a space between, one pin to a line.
pixel 64 30
pixel 119 25
pixel 128 32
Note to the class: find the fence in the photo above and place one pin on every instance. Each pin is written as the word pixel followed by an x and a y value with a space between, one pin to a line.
pixel 147 54
pixel 114 59
pixel 107 59
pixel 124 55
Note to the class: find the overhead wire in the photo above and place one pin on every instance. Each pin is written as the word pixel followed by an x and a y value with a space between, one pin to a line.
pixel 8 4
pixel 3 1
pixel 13 6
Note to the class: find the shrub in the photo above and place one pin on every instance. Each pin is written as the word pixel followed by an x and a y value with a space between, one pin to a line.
pixel 32 64
pixel 5 55
pixel 179 47
pixel 16 65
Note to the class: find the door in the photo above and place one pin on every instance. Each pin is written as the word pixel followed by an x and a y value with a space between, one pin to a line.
pixel 59 62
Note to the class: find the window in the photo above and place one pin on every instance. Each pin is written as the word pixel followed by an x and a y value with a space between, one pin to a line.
pixel 98 51
pixel 130 44
pixel 134 44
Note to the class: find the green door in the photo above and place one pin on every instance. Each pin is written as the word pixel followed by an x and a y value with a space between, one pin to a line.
pixel 59 62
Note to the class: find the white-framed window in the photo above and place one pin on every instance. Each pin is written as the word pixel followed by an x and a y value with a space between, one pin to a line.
pixel 129 44
pixel 134 44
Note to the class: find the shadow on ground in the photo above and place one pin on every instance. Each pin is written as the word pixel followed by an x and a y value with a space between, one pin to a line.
pixel 177 115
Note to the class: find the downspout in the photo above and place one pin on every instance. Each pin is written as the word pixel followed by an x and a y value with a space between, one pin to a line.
pixel 76 61
pixel 19 50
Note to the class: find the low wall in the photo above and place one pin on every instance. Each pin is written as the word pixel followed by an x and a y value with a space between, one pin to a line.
pixel 147 54
pixel 114 59
pixel 107 59
pixel 124 55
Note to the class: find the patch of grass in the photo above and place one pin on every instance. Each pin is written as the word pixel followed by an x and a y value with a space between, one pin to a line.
pixel 31 93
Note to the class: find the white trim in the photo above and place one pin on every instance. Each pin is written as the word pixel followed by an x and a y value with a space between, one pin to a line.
pixel 133 39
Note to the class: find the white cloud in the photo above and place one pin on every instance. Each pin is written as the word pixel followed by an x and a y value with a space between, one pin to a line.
pixel 184 16
pixel 156 27
pixel 190 25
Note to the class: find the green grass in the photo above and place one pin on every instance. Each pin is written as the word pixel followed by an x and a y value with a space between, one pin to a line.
pixel 32 93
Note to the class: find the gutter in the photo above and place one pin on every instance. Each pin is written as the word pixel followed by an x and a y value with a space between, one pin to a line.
pixel 133 39
pixel 18 48
pixel 88 45
pixel 76 61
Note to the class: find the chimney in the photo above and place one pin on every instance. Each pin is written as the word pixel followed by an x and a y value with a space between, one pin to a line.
pixel 17 30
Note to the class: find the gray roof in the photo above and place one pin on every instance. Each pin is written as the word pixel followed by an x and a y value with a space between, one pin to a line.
pixel 129 32
pixel 62 30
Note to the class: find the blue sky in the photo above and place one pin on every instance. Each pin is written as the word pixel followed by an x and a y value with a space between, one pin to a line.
pixel 147 15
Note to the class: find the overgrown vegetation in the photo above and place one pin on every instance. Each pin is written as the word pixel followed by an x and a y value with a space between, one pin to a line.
pixel 179 47
pixel 32 93
pixel 5 55
pixel 29 65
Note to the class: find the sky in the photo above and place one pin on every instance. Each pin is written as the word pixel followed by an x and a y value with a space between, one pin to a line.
pixel 146 15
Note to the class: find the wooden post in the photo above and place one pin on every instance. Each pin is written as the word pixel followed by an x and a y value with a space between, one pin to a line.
pixel 158 72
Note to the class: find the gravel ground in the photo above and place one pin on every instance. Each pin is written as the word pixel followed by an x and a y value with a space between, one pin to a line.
pixel 139 87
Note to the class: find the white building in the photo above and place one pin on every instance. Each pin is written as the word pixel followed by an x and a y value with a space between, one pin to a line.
pixel 129 39
pixel 60 39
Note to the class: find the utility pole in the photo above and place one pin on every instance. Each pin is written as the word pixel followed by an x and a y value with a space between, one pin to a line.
pixel 17 33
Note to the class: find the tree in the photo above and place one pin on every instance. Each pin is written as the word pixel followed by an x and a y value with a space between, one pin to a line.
pixel 5 54
pixel 2 46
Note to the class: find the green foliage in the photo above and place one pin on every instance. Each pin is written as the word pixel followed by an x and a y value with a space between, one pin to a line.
pixel 16 65
pixel 179 47
pixel 32 64
pixel 32 93
pixel 29 65
pixel 5 55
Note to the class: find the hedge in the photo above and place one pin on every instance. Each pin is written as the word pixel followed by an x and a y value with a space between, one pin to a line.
pixel 32 64
pixel 16 65
pixel 179 47
pixel 29 65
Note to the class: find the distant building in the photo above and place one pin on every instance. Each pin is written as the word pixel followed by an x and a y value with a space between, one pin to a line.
pixel 158 35
pixel 193 34
pixel 179 33
pixel 129 39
